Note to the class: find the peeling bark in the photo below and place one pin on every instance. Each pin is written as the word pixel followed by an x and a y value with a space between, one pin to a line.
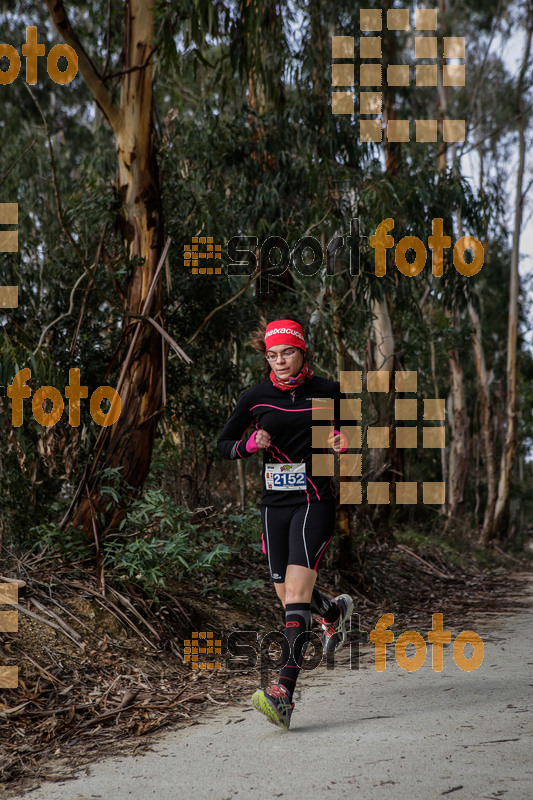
pixel 458 468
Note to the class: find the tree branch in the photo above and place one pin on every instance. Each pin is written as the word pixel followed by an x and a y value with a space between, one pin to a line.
pixel 14 164
pixel 88 71
pixel 90 272
pixel 254 277
pixel 135 68
pixel 177 349
pixel 61 316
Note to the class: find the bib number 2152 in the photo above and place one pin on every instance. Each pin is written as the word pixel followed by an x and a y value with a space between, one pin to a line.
pixel 285 477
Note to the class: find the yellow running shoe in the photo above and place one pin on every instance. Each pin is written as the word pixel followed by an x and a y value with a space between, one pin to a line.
pixel 275 704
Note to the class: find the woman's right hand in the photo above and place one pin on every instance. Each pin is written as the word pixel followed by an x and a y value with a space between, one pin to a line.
pixel 262 439
pixel 338 442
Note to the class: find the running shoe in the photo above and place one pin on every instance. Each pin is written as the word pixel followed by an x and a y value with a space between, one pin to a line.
pixel 274 704
pixel 335 632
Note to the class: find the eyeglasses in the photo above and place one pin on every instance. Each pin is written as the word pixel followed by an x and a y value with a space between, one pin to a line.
pixel 286 354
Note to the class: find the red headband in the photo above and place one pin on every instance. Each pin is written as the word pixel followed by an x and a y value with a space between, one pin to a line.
pixel 284 331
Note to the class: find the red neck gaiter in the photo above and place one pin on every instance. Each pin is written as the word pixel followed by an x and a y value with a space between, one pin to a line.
pixel 305 374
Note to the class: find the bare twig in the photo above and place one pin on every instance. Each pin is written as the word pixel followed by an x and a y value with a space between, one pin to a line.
pixel 123 335
pixel 61 710
pixel 38 617
pixel 426 563
pixel 14 164
pixel 129 605
pixel 231 299
pixel 61 216
pixel 48 675
pixel 61 316
pixel 146 306
pixel 168 276
pixel 164 354
pixel 16 324
pixel 113 609
pixel 67 611
pixel 127 700
pixel 86 297
pixel 67 628
pixel 91 271
pixel 99 444
pixel 13 712
pixel 217 702
pixel 177 349
pixel 99 560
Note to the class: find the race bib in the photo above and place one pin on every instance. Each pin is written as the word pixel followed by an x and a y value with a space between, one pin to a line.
pixel 285 477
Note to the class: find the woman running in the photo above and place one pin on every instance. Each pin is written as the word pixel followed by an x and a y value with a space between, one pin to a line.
pixel 297 507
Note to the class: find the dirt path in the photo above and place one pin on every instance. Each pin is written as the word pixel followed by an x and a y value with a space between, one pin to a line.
pixel 391 735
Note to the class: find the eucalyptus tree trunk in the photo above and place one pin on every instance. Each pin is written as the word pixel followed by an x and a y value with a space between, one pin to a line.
pixel 510 441
pixel 380 357
pixel 393 150
pixel 130 440
pixel 380 350
pixel 458 450
pixel 345 520
pixel 444 450
pixel 458 465
pixel 442 90
pixel 487 437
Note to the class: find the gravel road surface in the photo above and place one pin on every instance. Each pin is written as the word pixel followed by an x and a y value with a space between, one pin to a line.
pixel 355 733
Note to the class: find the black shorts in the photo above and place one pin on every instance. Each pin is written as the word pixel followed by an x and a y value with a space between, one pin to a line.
pixel 297 534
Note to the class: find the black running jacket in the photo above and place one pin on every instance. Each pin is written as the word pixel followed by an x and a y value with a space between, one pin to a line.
pixel 287 417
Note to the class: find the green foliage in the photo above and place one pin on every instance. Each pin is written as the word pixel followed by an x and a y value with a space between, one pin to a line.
pixel 246 144
pixel 158 541
pixel 70 549
pixel 242 586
